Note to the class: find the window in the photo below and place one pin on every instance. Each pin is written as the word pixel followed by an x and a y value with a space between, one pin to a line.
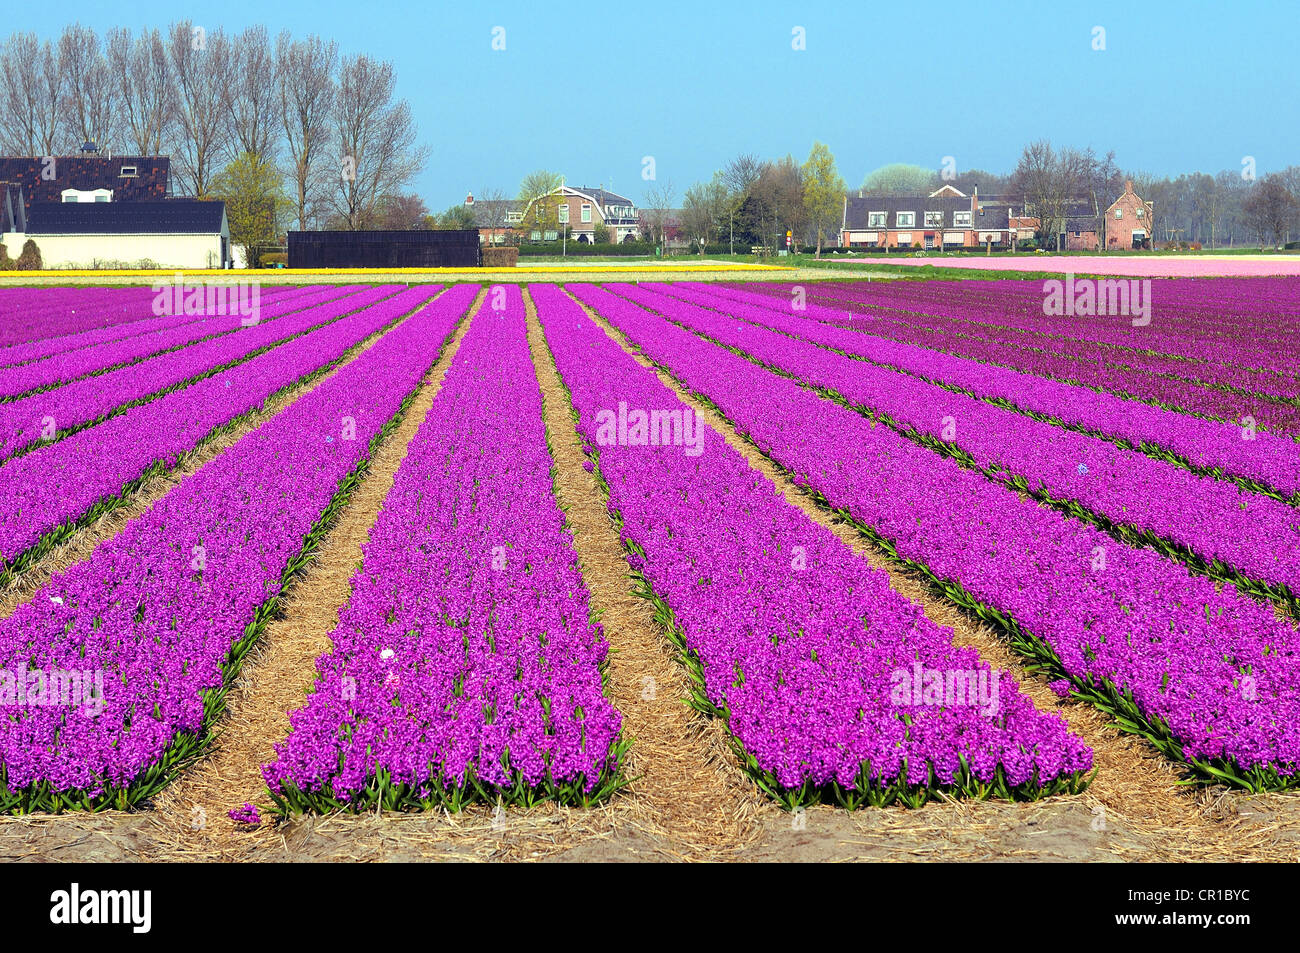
pixel 933 219
pixel 905 219
pixel 69 197
pixel 535 235
pixel 101 198
pixel 551 235
pixel 514 216
pixel 564 214
pixel 876 219
pixel 128 171
pixel 905 238
pixel 1119 213
pixel 961 219
pixel 586 212
pixel 1140 211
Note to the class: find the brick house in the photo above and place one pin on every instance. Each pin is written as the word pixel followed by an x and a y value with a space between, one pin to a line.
pixel 1081 233
pixel 947 218
pixel 1128 221
pixel 581 209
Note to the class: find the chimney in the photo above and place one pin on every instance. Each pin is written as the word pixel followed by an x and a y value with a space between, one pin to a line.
pixel 1128 185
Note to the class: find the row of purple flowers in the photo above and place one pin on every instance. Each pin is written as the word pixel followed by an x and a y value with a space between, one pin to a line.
pixel 466 663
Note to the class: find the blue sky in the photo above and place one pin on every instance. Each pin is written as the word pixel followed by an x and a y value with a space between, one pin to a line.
pixel 589 89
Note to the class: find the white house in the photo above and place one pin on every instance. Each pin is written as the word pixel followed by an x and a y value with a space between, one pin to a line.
pixel 89 230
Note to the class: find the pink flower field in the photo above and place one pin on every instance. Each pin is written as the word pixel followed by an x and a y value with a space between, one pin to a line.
pixel 1200 266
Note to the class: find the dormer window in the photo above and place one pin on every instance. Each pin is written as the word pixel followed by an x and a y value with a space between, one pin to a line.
pixel 961 219
pixel 86 195
pixel 905 219
pixel 129 172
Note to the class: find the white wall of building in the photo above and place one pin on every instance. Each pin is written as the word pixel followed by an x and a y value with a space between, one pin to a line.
pixel 90 251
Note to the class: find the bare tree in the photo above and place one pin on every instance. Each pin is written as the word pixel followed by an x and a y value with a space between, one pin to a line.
pixel 1207 202
pixel 142 76
pixel 703 207
pixel 19 94
pixel 1268 210
pixel 201 66
pixel 659 199
pixel 491 210
pixel 89 105
pixel 251 96
pixel 1049 183
pixel 31 96
pixel 375 136
pixel 306 90
pixel 739 175
pixel 1101 179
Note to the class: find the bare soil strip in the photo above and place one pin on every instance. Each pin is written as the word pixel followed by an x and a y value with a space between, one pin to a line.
pixel 688 787
pixel 1136 792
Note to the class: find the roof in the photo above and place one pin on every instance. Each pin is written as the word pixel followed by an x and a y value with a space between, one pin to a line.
pixel 604 197
pixel 855 213
pixel 994 217
pixel 87 173
pixel 987 218
pixel 171 217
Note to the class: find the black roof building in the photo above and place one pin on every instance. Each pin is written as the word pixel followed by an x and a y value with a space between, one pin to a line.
pixel 858 208
pixel 172 217
pixel 129 178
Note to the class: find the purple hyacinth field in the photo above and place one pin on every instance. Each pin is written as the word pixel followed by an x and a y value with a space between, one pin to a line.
pixel 772 549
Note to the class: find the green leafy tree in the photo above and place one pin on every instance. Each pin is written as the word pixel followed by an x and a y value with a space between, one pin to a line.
pixel 823 191
pixel 253 190
pixel 457 216
pixel 539 196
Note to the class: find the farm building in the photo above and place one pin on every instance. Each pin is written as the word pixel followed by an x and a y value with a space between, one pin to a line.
pixel 581 209
pixel 174 233
pixel 946 218
pixel 444 248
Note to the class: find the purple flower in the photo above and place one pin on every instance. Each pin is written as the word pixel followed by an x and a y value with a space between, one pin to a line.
pixel 247 814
